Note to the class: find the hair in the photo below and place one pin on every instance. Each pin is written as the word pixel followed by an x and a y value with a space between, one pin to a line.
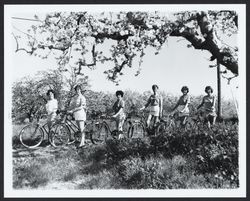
pixel 184 88
pixel 207 88
pixel 50 90
pixel 155 86
pixel 78 86
pixel 119 93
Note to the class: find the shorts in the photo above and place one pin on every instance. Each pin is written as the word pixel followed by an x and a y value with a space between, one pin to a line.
pixel 51 117
pixel 80 115
pixel 120 121
pixel 154 111
pixel 210 113
pixel 209 118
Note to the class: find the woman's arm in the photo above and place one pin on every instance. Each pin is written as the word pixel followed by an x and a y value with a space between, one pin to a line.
pixel 161 106
pixel 201 104
pixel 177 104
pixel 120 109
pixel 214 101
pixel 147 104
pixel 55 106
pixel 81 106
pixel 186 105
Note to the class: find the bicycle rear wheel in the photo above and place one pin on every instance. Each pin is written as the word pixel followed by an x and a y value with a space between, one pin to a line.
pixel 127 128
pixel 31 136
pixel 137 130
pixel 100 135
pixel 60 135
pixel 161 128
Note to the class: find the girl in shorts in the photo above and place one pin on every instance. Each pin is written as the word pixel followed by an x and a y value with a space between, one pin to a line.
pixel 182 106
pixel 208 102
pixel 51 107
pixel 78 108
pixel 155 106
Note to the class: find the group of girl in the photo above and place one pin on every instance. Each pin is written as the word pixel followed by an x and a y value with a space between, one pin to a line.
pixel 154 105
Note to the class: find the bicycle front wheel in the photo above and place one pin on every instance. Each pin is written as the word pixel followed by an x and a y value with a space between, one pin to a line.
pixel 31 136
pixel 60 135
pixel 100 136
pixel 137 130
pixel 170 126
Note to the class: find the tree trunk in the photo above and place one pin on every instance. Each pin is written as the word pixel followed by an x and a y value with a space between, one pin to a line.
pixel 206 39
pixel 219 91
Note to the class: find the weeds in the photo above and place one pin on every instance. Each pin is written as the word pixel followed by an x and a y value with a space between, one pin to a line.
pixel 187 159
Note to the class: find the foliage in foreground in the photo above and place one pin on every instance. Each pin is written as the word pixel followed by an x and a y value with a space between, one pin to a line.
pixel 205 159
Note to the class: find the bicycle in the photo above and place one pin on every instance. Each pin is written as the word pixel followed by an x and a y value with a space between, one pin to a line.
pixel 105 130
pixel 139 127
pixel 32 135
pixel 62 130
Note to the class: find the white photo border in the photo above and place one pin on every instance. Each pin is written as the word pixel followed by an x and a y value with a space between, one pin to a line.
pixel 8 181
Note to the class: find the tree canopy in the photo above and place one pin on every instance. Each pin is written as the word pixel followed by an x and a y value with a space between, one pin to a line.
pixel 78 38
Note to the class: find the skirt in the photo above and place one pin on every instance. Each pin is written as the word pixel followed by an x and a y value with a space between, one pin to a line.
pixel 154 110
pixel 210 112
pixel 184 113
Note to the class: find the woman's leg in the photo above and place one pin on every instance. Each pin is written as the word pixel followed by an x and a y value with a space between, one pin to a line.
pixel 183 120
pixel 80 125
pixel 156 120
pixel 148 120
pixel 117 124
pixel 212 119
pixel 120 123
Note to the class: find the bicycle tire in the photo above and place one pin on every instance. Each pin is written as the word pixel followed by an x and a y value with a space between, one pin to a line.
pixel 127 128
pixel 100 136
pixel 60 135
pixel 31 135
pixel 161 128
pixel 137 130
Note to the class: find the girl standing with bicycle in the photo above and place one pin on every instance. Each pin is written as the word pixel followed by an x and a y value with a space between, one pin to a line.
pixel 208 102
pixel 182 106
pixel 78 108
pixel 119 115
pixel 51 107
pixel 155 106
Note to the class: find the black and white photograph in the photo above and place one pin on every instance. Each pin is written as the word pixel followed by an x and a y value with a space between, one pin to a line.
pixel 125 100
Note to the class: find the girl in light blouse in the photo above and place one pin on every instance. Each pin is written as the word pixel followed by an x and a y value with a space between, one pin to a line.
pixel 181 107
pixel 51 107
pixel 208 103
pixel 78 108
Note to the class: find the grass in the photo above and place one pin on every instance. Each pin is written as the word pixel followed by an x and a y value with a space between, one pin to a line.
pixel 134 165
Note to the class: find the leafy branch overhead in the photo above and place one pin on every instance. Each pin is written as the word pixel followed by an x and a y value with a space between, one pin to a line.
pixel 79 38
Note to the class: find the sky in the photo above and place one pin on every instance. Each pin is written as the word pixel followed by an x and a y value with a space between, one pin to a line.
pixel 175 66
